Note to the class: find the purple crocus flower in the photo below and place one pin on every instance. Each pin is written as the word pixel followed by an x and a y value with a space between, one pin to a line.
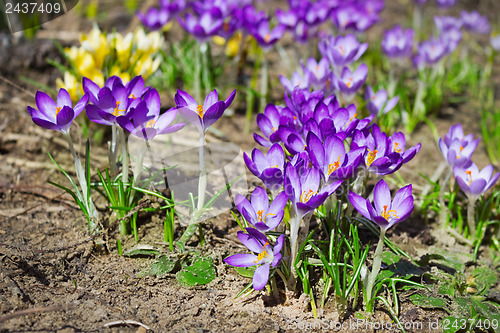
pixel 204 26
pixel 444 23
pixel 144 121
pixel 202 115
pixel 495 41
pixel 457 132
pixel 397 42
pixel 269 123
pixel 377 102
pixel 265 36
pixel 108 102
pixel 397 143
pixel 298 80
pixel 56 115
pixel 475 22
pixel 353 16
pixel 474 182
pixel 349 82
pixel 330 158
pixel 318 73
pixel 135 88
pixel 173 6
pixel 456 148
pixel 341 51
pixel 303 189
pixel 266 256
pixel 258 212
pixel 431 51
pixel 385 212
pixel 451 38
pixel 154 18
pixel 317 13
pixel 378 157
pixel 270 168
pixel 446 3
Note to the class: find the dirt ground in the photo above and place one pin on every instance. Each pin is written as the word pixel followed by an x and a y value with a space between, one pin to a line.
pixel 66 282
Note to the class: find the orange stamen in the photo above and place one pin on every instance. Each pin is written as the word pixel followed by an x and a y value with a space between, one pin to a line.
pixel 396 149
pixel 262 254
pixel 305 197
pixel 371 156
pixel 58 109
pixel 334 166
pixel 470 176
pixel 117 111
pixel 200 111
pixel 387 214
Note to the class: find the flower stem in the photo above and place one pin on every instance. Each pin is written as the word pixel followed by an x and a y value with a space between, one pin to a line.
pixel 197 74
pixel 294 245
pixel 471 219
pixel 205 54
pixel 443 213
pixel 202 186
pixel 112 150
pixel 377 263
pixel 125 164
pixel 264 80
pixel 251 94
pixel 82 179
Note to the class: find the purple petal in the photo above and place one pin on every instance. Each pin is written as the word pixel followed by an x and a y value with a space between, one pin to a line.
pixel 241 260
pixel 260 277
pixel 80 105
pixel 250 242
pixel 63 98
pixel 360 204
pixel 65 116
pixel 280 241
pixel 246 209
pixel 381 196
pixel 260 200
pixel 213 114
pixel 182 98
pixel 45 104
pixel 46 124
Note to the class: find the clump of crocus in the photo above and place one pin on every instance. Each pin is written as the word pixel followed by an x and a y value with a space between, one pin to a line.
pixel 103 55
pixel 265 257
pixel 385 212
pixel 457 150
pixel 58 115
pixel 303 188
pixel 474 183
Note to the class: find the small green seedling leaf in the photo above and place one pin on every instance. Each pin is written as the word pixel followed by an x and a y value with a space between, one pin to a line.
pixel 485 277
pixel 161 267
pixel 246 271
pixel 142 250
pixel 429 302
pixel 200 272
